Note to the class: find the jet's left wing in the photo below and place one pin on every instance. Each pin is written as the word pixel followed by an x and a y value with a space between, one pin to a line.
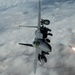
pixel 35 60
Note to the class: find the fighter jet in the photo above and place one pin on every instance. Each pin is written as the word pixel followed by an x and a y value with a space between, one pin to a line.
pixel 41 42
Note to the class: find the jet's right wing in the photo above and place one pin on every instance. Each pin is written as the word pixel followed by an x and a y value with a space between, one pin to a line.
pixel 39 15
pixel 39 18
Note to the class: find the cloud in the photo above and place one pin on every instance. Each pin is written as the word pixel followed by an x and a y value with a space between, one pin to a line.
pixel 18 60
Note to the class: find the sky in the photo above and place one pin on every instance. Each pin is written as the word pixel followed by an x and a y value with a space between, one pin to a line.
pixel 18 60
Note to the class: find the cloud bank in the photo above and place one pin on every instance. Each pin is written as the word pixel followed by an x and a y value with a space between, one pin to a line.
pixel 18 60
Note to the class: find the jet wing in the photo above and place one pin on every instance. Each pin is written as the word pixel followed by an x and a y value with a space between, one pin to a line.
pixel 39 18
pixel 39 15
pixel 35 61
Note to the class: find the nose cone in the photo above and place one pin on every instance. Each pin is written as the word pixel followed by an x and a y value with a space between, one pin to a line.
pixel 42 45
pixel 36 44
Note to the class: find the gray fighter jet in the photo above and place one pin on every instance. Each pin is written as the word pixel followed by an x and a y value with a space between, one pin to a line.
pixel 42 46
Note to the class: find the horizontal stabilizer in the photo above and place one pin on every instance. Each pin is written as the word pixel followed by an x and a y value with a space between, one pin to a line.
pixel 26 44
pixel 28 26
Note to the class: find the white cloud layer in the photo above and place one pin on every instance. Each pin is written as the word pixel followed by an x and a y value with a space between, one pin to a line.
pixel 18 60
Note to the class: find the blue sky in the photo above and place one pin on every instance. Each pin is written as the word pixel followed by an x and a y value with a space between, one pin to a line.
pixel 18 60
